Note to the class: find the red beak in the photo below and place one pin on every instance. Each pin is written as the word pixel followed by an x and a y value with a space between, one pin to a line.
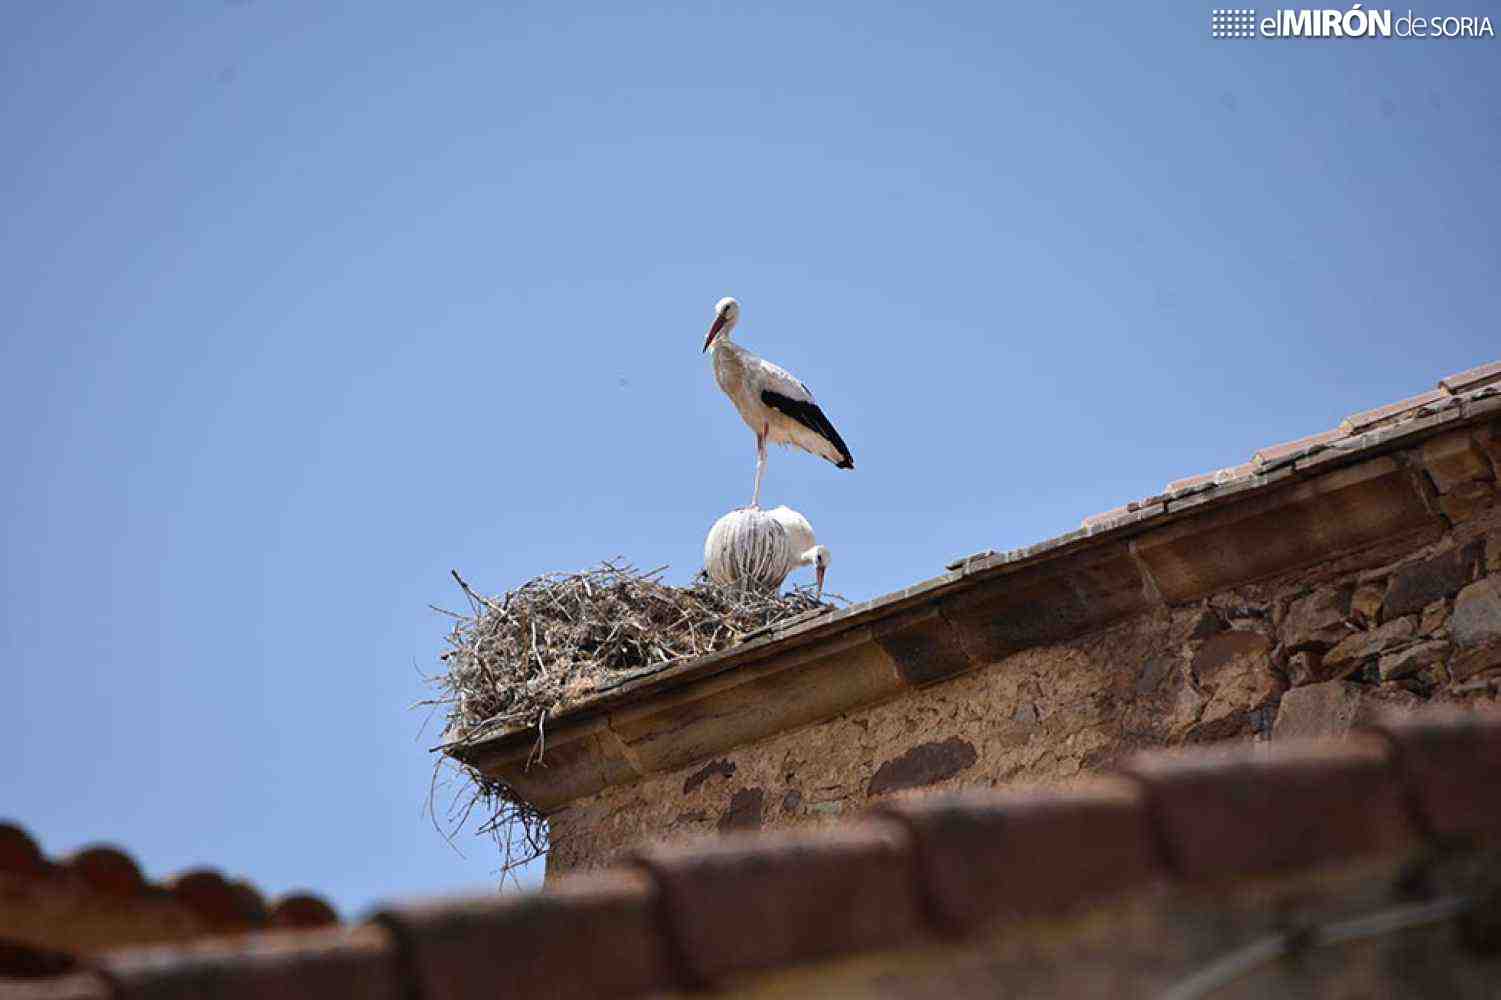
pixel 819 572
pixel 714 331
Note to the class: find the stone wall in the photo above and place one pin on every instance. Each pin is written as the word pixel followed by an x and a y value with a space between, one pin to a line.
pixel 1412 620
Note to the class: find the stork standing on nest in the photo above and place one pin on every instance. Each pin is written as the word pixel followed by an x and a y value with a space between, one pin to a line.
pixel 756 549
pixel 776 406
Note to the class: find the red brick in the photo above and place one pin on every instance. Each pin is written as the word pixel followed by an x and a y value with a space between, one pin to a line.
pixel 1273 453
pixel 73 986
pixel 302 909
pixel 327 964
pixel 1450 764
pixel 1474 378
pixel 587 936
pixel 983 856
pixel 760 901
pixel 108 870
pixel 1247 810
pixel 1358 423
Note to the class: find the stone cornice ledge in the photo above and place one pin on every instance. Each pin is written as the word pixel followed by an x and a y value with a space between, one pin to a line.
pixel 1296 510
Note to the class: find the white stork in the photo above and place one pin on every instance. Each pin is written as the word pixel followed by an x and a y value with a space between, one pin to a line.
pixel 757 549
pixel 777 407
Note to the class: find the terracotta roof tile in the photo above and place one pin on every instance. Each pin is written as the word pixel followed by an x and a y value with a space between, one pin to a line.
pixel 1248 810
pixel 697 915
pixel 751 902
pixel 593 935
pixel 1215 478
pixel 19 854
pixel 1474 378
pixel 986 855
pixel 108 870
pixel 1390 413
pixel 222 905
pixel 1300 450
pixel 1105 517
pixel 1120 516
pixel 1451 767
pixel 302 909
pixel 326 964
pixel 1291 449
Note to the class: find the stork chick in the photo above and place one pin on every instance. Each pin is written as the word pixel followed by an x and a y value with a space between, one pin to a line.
pixel 757 549
pixel 773 403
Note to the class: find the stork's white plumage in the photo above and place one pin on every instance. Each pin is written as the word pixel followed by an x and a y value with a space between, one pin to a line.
pixel 757 548
pixel 776 406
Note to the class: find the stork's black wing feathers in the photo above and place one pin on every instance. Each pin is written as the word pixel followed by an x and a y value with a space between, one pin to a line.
pixel 807 413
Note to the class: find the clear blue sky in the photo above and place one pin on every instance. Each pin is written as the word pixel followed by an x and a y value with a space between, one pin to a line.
pixel 302 305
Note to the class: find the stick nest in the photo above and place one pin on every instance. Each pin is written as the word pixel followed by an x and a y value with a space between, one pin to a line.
pixel 516 661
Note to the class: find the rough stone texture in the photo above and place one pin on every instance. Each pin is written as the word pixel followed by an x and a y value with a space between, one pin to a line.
pixel 1454 459
pixel 1433 618
pixel 1235 670
pixel 1476 661
pixel 1334 708
pixel 1305 667
pixel 744 811
pixel 1415 586
pixel 722 768
pixel 925 764
pixel 1351 654
pixel 1318 620
pixel 1206 625
pixel 1365 605
pixel 1477 613
pixel 1466 500
pixel 1409 661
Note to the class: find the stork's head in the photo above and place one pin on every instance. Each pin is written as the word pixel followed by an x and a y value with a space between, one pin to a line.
pixel 726 314
pixel 819 556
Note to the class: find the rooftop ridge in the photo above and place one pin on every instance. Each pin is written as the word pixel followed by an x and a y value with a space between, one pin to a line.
pixel 910 871
pixel 211 902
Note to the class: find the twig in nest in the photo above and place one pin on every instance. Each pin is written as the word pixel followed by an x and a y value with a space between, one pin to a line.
pixel 559 638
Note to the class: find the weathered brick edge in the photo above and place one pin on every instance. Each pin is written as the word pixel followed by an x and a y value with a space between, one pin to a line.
pixel 909 871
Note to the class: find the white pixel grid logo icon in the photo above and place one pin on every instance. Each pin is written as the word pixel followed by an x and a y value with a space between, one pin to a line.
pixel 1232 22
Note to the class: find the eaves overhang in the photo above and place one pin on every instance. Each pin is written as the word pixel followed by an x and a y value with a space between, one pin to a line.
pixel 1291 506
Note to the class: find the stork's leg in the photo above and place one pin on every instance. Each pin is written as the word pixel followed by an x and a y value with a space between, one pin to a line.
pixel 760 468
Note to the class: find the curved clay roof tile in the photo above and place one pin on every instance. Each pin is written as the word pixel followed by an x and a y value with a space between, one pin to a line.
pixel 19 854
pixel 107 870
pixel 302 909
pixel 217 902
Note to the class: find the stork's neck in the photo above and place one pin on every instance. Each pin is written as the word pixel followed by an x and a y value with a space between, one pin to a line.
pixel 727 353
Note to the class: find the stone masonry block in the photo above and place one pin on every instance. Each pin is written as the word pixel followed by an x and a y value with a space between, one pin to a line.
pixel 1454 458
